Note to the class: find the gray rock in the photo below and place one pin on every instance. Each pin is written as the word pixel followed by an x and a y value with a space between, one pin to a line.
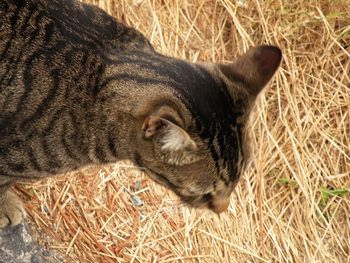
pixel 18 246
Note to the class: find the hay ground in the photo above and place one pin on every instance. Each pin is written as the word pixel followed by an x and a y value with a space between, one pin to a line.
pixel 292 205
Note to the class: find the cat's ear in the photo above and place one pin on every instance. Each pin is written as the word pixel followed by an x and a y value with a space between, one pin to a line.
pixel 254 68
pixel 171 136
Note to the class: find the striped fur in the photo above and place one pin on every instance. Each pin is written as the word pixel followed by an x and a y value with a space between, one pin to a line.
pixel 77 88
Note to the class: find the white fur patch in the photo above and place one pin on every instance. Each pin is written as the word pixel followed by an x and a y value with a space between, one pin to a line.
pixel 176 139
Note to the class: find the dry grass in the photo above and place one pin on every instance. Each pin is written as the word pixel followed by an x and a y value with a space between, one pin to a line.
pixel 292 205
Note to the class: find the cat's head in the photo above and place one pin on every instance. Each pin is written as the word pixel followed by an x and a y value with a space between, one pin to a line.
pixel 198 145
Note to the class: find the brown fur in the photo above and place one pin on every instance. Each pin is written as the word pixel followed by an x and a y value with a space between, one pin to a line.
pixel 78 88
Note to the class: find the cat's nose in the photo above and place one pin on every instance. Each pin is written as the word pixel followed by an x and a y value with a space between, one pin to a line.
pixel 220 205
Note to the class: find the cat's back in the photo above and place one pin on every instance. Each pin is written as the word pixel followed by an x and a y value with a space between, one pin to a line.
pixel 76 22
pixel 51 55
pixel 51 62
pixel 42 47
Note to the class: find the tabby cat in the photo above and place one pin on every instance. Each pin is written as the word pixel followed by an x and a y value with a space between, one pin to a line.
pixel 77 88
